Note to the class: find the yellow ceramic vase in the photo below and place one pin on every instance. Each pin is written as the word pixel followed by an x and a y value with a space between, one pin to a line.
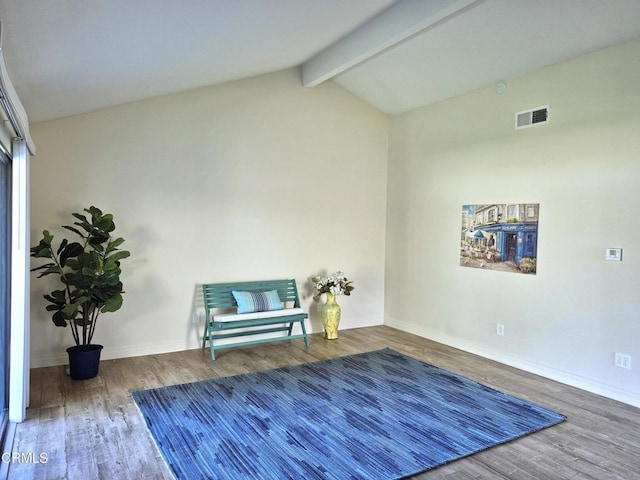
pixel 331 317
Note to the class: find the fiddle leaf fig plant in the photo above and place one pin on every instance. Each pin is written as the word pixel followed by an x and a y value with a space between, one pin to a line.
pixel 88 268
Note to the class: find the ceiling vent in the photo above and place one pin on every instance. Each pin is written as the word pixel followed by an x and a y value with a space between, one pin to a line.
pixel 532 117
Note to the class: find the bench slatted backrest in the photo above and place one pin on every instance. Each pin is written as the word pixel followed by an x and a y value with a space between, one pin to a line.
pixel 218 295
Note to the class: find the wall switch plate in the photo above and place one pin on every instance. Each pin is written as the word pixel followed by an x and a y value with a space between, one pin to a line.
pixel 195 318
pixel 613 254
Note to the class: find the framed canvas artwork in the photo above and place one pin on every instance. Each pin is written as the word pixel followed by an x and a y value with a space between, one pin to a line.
pixel 502 237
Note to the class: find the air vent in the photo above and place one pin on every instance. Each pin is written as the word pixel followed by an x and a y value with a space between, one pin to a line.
pixel 533 117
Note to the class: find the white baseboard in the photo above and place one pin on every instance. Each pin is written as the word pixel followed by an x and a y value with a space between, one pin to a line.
pixel 110 353
pixel 568 378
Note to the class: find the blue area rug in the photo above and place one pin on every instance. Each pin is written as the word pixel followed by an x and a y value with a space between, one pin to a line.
pixel 377 415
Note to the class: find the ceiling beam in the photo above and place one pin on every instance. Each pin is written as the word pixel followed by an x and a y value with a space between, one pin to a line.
pixel 394 25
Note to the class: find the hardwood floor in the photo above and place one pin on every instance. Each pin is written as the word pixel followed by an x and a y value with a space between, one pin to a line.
pixel 92 429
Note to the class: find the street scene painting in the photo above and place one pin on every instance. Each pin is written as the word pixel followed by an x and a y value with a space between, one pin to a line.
pixel 502 237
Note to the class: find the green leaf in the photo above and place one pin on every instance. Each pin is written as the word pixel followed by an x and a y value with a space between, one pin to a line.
pixel 52 269
pixel 59 294
pixel 113 244
pixel 88 272
pixel 72 250
pixel 100 221
pixel 110 279
pixel 83 223
pixel 87 258
pixel 111 274
pixel 42 267
pixel 43 253
pixel 43 249
pixel 113 304
pixel 57 297
pixel 119 255
pixel 105 223
pixel 106 292
pixel 98 236
pixel 62 245
pixel 70 278
pixel 93 210
pixel 59 320
pixel 81 217
pixel 73 263
pixel 74 230
pixel 69 311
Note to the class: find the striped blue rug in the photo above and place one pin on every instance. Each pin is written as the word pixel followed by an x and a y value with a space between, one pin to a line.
pixel 376 415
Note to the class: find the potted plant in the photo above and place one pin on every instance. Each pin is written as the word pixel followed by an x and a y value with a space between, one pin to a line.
pixel 89 271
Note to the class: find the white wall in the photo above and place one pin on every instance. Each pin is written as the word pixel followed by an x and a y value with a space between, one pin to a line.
pixel 255 179
pixel 583 168
pixel 262 178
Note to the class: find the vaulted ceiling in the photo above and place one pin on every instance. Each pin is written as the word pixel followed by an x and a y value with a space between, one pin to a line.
pixel 73 56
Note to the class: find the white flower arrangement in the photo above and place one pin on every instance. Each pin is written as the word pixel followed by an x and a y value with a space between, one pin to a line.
pixel 336 284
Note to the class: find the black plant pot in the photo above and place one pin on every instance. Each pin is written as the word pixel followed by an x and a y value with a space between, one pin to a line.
pixel 84 361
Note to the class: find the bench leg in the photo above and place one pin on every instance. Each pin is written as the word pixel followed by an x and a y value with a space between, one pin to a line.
pixel 213 350
pixel 205 334
pixel 208 335
pixel 304 332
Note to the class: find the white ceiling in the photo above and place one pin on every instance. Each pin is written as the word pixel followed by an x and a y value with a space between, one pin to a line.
pixel 493 40
pixel 72 56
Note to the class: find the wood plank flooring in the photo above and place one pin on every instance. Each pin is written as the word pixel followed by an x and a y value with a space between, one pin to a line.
pixel 92 429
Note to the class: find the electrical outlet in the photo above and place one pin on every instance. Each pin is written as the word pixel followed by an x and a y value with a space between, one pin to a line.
pixel 622 360
pixel 500 329
pixel 195 318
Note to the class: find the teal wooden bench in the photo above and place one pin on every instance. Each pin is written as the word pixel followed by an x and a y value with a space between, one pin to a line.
pixel 221 324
